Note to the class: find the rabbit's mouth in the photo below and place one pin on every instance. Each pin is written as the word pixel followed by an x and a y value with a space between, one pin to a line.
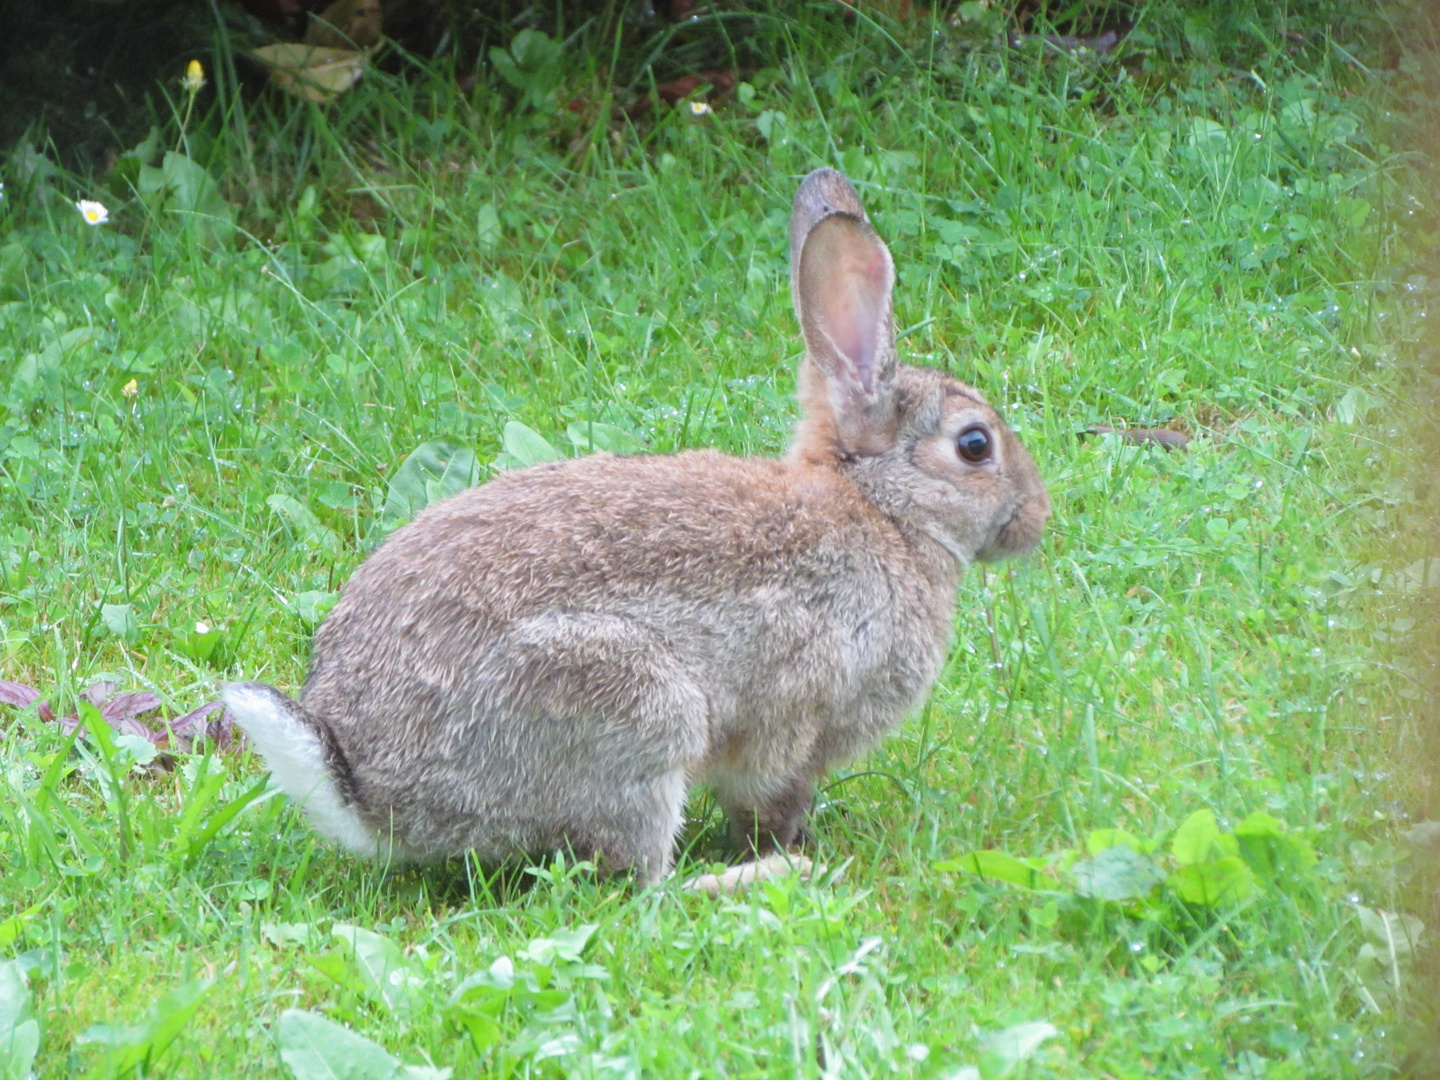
pixel 1021 532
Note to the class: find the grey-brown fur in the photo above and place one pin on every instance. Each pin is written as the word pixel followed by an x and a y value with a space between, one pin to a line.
pixel 550 660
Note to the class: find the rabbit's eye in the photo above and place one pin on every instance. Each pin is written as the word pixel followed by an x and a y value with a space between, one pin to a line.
pixel 973 445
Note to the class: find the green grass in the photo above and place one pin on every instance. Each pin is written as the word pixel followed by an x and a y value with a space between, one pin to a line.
pixel 1214 235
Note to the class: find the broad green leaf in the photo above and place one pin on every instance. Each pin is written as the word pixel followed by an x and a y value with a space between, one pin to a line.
pixel 533 63
pixel 314 1048
pixel 1219 881
pixel 121 621
pixel 306 525
pixel 488 229
pixel 1353 406
pixel 564 945
pixel 478 1001
pixel 527 446
pixel 1206 134
pixel 1103 839
pixel 1047 914
pixel 1260 824
pixel 1003 1051
pixel 1117 873
pixel 482 1027
pixel 1269 850
pixel 336 965
pixel 1352 210
pixel 128 1045
pixel 313 605
pixel 589 436
pixel 383 968
pixel 197 644
pixel 998 866
pixel 435 470
pixel 1195 838
pixel 18 1050
pixel 182 186
pixel 136 749
pixel 14 926
pixel 1394 934
pixel 19 1031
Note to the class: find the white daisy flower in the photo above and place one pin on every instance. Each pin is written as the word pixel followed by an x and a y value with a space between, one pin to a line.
pixel 93 212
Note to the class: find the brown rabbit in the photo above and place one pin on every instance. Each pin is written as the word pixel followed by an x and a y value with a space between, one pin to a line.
pixel 550 660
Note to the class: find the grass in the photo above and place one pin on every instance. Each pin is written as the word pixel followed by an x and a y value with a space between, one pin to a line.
pixel 207 398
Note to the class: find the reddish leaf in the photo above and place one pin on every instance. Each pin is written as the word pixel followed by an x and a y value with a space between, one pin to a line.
pixel 96 693
pixel 121 712
pixel 129 705
pixel 131 726
pixel 194 725
pixel 14 693
pixel 182 723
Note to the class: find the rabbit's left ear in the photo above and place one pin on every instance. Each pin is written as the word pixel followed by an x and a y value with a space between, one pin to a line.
pixel 843 297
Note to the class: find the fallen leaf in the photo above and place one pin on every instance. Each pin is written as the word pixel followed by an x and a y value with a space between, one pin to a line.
pixel 1171 440
pixel 1101 44
pixel 313 72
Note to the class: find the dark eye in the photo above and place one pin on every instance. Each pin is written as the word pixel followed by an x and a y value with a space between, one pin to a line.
pixel 973 445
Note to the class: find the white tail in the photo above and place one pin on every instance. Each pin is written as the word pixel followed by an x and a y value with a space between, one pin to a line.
pixel 297 759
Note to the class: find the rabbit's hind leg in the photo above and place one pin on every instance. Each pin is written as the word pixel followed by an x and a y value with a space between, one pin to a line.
pixel 634 829
pixel 606 727
pixel 770 823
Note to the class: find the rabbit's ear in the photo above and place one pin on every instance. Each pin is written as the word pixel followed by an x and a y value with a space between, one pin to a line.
pixel 822 193
pixel 842 290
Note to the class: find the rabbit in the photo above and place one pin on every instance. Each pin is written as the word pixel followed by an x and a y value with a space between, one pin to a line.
pixel 550 660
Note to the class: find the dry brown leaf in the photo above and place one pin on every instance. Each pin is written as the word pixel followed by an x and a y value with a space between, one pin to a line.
pixel 346 24
pixel 720 80
pixel 314 72
pixel 1171 440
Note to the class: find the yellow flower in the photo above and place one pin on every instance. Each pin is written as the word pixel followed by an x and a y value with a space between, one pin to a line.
pixel 194 77
pixel 130 389
pixel 93 212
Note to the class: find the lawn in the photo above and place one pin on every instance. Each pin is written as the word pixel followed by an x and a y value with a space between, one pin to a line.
pixel 1158 817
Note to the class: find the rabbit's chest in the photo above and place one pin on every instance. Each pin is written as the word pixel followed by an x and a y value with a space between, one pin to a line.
pixel 821 690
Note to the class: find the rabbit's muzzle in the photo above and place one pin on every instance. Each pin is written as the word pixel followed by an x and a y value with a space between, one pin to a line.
pixel 1022 532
